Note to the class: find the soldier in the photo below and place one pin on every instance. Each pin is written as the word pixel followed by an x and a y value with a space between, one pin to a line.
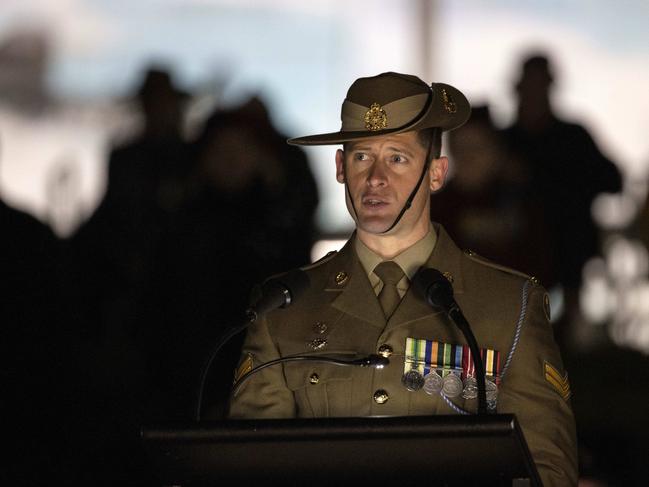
pixel 360 300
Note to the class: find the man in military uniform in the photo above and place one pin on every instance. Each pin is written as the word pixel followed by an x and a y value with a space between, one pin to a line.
pixel 360 300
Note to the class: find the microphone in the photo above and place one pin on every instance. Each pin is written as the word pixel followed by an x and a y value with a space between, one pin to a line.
pixel 373 361
pixel 279 292
pixel 438 292
pixel 436 289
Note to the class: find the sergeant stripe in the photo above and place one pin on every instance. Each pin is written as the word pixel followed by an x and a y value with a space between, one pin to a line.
pixel 554 372
pixel 561 389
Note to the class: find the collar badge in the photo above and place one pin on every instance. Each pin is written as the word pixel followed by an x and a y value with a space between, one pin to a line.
pixel 449 105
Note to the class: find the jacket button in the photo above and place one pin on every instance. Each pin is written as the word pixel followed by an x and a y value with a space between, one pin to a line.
pixel 385 350
pixel 381 396
pixel 314 379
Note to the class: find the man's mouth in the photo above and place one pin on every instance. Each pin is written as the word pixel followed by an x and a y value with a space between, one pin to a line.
pixel 373 201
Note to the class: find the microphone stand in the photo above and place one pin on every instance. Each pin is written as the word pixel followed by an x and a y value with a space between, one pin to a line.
pixel 456 316
pixel 276 292
pixel 438 292
pixel 251 316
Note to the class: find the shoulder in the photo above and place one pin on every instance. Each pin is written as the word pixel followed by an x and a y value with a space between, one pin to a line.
pixel 497 284
pixel 320 262
pixel 319 271
pixel 490 266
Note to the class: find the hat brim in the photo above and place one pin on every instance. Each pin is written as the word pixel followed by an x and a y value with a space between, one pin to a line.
pixel 436 115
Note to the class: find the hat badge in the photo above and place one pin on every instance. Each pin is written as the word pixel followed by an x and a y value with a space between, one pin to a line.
pixel 376 118
pixel 449 105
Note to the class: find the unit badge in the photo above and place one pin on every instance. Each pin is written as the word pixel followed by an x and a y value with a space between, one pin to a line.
pixel 341 278
pixel 317 343
pixel 546 306
pixel 449 104
pixel 376 118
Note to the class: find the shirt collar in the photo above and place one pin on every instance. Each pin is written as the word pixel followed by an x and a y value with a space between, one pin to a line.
pixel 410 260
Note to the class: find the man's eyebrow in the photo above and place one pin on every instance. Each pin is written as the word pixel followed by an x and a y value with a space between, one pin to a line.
pixel 402 150
pixel 362 147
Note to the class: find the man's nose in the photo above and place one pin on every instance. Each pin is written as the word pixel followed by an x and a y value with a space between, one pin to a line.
pixel 376 175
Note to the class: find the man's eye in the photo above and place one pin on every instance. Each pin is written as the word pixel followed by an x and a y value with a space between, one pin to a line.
pixel 360 156
pixel 398 159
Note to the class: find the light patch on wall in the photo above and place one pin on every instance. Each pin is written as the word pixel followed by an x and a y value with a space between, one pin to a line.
pixel 615 292
pixel 323 247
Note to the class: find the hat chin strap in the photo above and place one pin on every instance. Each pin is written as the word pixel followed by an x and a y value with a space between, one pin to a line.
pixel 413 193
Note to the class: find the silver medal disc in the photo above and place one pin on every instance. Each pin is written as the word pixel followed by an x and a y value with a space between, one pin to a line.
pixel 452 385
pixel 470 388
pixel 432 383
pixel 492 390
pixel 413 380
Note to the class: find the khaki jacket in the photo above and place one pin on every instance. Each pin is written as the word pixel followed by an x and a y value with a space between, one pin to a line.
pixel 506 311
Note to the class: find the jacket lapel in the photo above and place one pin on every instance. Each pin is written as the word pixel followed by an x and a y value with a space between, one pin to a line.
pixel 355 295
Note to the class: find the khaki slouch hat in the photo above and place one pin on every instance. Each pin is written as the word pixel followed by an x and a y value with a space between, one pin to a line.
pixel 391 103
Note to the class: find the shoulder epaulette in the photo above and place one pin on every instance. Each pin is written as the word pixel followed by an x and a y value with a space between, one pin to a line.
pixel 486 262
pixel 319 262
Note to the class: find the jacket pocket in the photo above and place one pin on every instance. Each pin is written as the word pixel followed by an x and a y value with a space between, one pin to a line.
pixel 321 389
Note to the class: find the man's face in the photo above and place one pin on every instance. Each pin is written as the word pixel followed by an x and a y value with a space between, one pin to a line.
pixel 381 172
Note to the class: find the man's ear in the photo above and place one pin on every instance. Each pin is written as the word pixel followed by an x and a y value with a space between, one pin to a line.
pixel 437 171
pixel 340 166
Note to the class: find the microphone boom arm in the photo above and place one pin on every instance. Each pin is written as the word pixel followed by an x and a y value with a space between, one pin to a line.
pixel 375 361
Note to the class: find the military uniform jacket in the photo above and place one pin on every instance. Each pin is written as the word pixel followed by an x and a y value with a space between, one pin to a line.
pixel 506 312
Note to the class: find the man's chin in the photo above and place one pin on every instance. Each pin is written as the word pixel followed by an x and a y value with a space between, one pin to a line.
pixel 375 226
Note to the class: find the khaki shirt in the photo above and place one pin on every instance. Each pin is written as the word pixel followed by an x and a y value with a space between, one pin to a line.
pixel 410 260
pixel 507 313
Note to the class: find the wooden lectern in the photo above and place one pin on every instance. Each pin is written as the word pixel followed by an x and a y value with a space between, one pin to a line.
pixel 449 451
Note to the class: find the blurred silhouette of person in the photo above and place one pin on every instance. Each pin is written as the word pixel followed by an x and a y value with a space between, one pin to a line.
pixel 113 256
pixel 297 193
pixel 33 351
pixel 639 227
pixel 567 170
pixel 247 213
pixel 115 249
pixel 484 205
pixel 145 179
pixel 24 60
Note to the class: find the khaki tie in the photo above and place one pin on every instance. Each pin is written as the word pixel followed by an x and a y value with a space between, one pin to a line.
pixel 390 273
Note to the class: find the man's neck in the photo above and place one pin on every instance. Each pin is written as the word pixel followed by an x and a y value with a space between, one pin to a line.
pixel 389 246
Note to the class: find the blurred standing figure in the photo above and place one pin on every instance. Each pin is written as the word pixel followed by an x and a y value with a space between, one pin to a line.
pixel 33 349
pixel 115 249
pixel 247 213
pixel 485 205
pixel 567 171
pixel 113 256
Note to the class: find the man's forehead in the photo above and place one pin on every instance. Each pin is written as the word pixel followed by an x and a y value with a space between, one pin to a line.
pixel 402 140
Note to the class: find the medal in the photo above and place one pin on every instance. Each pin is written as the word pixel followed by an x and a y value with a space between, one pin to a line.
pixel 413 380
pixel 432 383
pixel 443 367
pixel 470 388
pixel 452 385
pixel 492 395
pixel 492 390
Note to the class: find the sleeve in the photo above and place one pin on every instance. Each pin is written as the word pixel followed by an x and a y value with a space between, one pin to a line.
pixel 535 388
pixel 265 395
